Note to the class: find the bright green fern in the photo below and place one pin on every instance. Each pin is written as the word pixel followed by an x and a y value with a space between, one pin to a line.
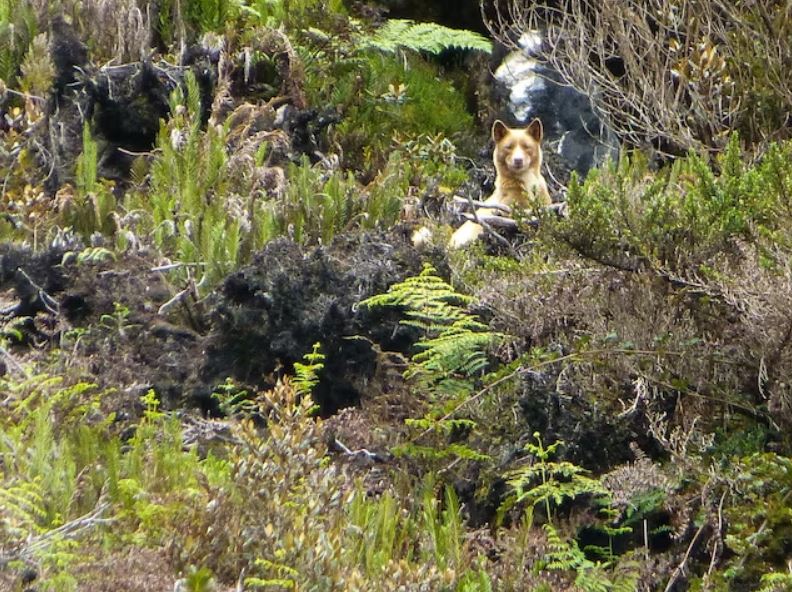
pixel 549 482
pixel 452 352
pixel 455 342
pixel 306 376
pixel 567 556
pixel 426 37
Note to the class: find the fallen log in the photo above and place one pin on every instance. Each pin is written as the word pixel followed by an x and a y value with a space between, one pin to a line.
pixel 491 219
pixel 559 208
pixel 462 201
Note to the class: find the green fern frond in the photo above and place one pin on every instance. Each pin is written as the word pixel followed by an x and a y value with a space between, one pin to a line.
pixel 427 37
pixel 567 556
pixel 434 453
pixel 776 582
pixel 23 509
pixel 546 481
pixel 306 376
pixel 456 342
pixel 453 351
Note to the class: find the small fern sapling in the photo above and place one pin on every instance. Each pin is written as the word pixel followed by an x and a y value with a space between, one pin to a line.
pixel 234 400
pixel 306 376
pixel 548 482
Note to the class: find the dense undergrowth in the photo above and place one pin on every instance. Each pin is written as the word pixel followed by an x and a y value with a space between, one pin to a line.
pixel 606 407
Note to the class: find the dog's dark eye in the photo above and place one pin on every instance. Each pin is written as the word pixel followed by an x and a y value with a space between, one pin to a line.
pixel 508 146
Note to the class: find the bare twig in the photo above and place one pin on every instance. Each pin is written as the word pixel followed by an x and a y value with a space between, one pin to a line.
pixel 12 363
pixel 178 264
pixel 361 453
pixel 717 546
pixel 487 226
pixel 179 297
pixel 70 529
pixel 48 301
pixel 680 569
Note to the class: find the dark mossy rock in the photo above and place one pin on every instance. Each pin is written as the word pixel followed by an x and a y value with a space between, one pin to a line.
pixel 132 350
pixel 69 55
pixel 130 101
pixel 31 277
pixel 269 314
pixel 594 436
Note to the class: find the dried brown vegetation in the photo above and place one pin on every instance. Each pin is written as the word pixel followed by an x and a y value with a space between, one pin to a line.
pixel 675 75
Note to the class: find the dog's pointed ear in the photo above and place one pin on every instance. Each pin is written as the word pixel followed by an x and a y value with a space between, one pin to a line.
pixel 499 130
pixel 535 130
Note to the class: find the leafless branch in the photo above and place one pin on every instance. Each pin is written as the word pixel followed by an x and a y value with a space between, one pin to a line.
pixel 672 74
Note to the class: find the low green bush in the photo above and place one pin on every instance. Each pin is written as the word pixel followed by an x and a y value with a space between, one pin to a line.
pixel 384 94
pixel 680 219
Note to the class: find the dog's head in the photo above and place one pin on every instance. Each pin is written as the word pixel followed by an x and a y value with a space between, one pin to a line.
pixel 518 149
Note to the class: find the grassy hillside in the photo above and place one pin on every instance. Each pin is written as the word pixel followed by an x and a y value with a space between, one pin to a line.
pixel 224 365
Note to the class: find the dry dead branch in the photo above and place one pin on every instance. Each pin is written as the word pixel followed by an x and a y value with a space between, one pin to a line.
pixel 675 75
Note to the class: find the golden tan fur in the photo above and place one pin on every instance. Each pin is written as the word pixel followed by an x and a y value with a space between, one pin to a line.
pixel 518 181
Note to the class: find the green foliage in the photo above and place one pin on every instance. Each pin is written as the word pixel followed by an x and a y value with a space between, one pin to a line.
pixel 547 482
pixel 401 96
pixel 776 582
pixel 452 351
pixel 455 342
pixel 193 17
pixel 118 322
pixel 563 555
pixel 17 29
pixel 318 205
pixel 315 529
pixel 65 475
pixel 202 220
pixel 87 179
pixel 298 13
pixel 23 509
pixel 760 517
pixel 199 579
pixel 387 534
pixel 383 534
pixel 441 432
pixel 427 37
pixel 233 399
pixel 382 96
pixel 194 218
pixel 93 207
pixel 306 376
pixel 681 219
pixel 207 15
pixel 37 69
pixel 445 527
